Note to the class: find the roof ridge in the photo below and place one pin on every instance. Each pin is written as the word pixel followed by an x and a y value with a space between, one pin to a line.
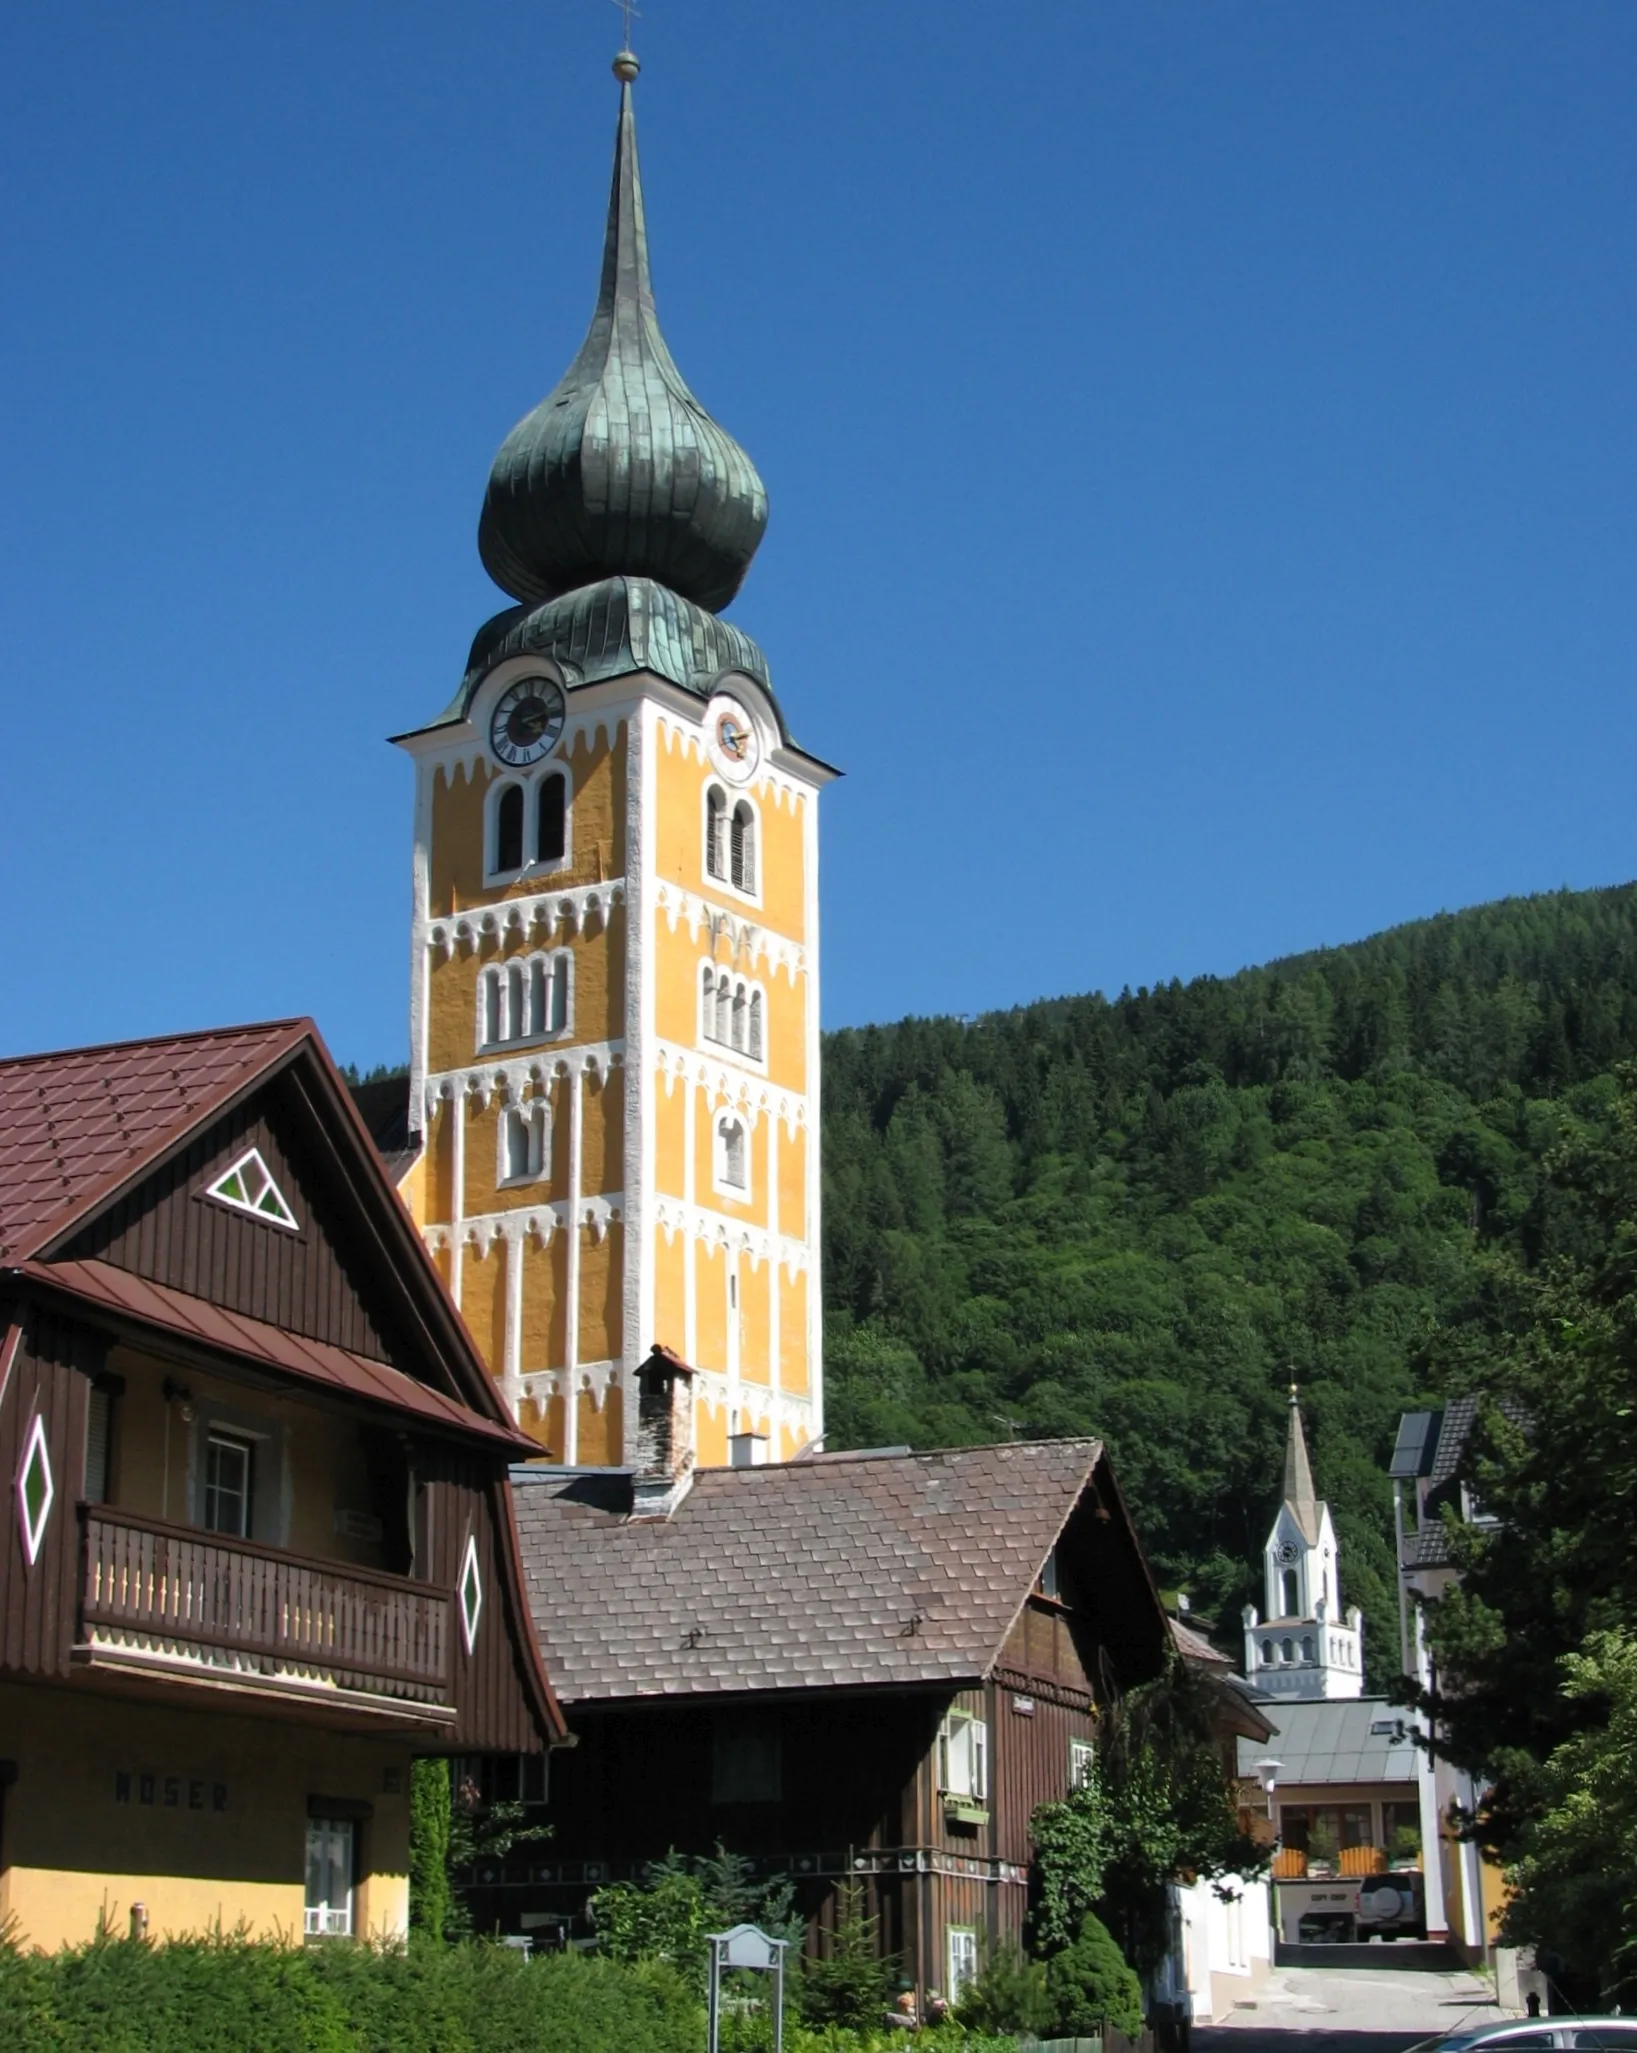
pixel 829 1460
pixel 227 1033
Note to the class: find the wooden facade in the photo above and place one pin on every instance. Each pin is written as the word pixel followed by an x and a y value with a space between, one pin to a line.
pixel 367 1592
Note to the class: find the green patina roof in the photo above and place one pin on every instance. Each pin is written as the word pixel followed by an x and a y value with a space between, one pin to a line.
pixel 620 470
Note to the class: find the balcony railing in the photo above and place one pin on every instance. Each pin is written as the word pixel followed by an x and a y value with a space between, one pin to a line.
pixel 177 1598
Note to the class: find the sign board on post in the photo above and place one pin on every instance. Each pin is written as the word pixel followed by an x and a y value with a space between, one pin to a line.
pixel 746 1947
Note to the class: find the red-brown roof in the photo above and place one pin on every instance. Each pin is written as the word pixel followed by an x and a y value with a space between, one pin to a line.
pixel 314 1361
pixel 75 1124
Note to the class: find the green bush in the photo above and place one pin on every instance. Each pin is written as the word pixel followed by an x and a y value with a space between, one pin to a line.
pixel 1010 1995
pixel 853 1984
pixel 1090 1985
pixel 227 1995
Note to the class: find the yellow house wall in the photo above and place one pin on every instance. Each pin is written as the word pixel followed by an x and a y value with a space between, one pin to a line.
pixel 597 772
pixel 708 1104
pixel 710 1435
pixel 793 1332
pixel 75 1856
pixel 602 1433
pixel 597 1014
pixel 483 1302
pixel 543 1328
pixel 710 1305
pixel 678 957
pixel 681 773
pixel 602 1137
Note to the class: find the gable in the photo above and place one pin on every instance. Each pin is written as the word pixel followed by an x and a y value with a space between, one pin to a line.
pixel 202 1222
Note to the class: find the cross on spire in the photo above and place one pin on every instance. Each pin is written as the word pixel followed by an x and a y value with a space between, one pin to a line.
pixel 627 10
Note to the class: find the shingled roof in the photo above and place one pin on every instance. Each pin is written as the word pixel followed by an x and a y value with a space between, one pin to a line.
pixel 869 1569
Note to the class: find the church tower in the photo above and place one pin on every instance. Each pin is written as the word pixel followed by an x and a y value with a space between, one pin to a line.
pixel 615 994
pixel 1303 1648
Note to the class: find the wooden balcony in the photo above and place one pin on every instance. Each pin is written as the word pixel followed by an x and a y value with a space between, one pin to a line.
pixel 177 1603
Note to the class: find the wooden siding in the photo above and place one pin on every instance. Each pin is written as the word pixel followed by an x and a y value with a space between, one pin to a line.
pixel 50 1365
pixel 168 1230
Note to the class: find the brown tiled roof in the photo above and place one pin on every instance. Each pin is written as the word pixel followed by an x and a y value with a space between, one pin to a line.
pixel 147 1303
pixel 882 1569
pixel 74 1125
pixel 1194 1646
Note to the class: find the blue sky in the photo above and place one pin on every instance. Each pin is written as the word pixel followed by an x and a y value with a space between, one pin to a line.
pixel 1200 440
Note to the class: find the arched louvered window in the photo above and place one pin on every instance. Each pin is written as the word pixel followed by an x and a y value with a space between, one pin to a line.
pixel 1288 1587
pixel 509 829
pixel 493 1025
pixel 707 1004
pixel 557 1013
pixel 517 1017
pixel 733 1166
pixel 741 1010
pixel 523 1142
pixel 551 826
pixel 1307 1646
pixel 755 1049
pixel 522 999
pixel 716 832
pixel 724 1010
pixel 540 982
pixel 742 848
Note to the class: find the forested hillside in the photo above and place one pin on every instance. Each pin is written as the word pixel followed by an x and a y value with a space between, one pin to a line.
pixel 1141 1217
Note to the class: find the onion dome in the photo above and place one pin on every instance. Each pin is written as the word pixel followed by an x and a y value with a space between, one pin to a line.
pixel 620 471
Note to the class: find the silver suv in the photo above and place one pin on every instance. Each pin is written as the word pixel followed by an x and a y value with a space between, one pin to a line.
pixel 1538 2035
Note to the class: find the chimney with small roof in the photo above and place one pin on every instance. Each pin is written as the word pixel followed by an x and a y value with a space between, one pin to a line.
pixel 665 1450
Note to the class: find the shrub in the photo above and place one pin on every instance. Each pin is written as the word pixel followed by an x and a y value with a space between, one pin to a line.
pixel 853 1984
pixel 1090 1985
pixel 1010 1995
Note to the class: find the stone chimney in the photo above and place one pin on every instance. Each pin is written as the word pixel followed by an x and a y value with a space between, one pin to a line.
pixel 665 1450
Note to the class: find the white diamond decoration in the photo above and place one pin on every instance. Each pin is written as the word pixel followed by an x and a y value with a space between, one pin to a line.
pixel 471 1592
pixel 249 1187
pixel 36 1488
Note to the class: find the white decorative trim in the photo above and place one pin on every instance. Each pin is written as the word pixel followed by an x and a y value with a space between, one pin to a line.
pixel 812 1220
pixel 575 907
pixel 641 1121
pixel 740 1083
pixel 32 1524
pixel 553 990
pixel 745 938
pixel 508 1080
pixel 469 1593
pixel 708 1008
pixel 794 1257
pixel 263 1200
pixel 539 1222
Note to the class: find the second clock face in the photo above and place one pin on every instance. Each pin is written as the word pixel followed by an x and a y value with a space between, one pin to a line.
pixel 732 741
pixel 527 721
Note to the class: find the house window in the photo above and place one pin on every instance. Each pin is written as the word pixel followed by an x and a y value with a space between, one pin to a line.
pixel 330 1846
pixel 1049 1585
pixel 1289 1598
pixel 228 1470
pixel 524 999
pixel 746 1763
pixel 528 824
pixel 1307 1646
pixel 523 1142
pixel 1267 1652
pixel 732 1155
pixel 963 1757
pixel 1287 1650
pixel 961 1950
pixel 731 1012
pixel 99 1444
pixel 742 848
pixel 1082 1763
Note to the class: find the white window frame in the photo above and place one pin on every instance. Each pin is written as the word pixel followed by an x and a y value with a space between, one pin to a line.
pixel 731 1115
pixel 495 976
pixel 1082 1763
pixel 731 797
pixel 251 1162
pixel 326 1918
pixel 531 783
pixel 243 1444
pixel 754 994
pixel 960 1960
pixel 963 1756
pixel 536 1114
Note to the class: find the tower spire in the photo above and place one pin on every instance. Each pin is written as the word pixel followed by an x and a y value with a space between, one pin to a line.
pixel 1299 1494
pixel 620 470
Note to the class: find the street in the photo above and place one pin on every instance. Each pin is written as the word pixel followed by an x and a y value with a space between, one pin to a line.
pixel 1351 2010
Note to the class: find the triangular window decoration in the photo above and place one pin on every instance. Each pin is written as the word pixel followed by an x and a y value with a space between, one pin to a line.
pixel 249 1187
pixel 35 1490
pixel 471 1592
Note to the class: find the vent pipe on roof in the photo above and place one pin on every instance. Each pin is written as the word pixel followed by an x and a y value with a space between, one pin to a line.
pixel 665 1450
pixel 747 1450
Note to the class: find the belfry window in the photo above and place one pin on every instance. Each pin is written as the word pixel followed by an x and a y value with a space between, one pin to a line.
pixel 523 1142
pixel 731 1012
pixel 742 848
pixel 509 829
pixel 730 840
pixel 524 999
pixel 528 824
pixel 716 841
pixel 732 1155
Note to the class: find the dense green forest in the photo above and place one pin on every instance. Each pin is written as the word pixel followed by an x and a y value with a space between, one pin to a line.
pixel 1141 1217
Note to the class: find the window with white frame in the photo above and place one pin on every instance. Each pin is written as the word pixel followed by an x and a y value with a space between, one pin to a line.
pixel 523 1133
pixel 963 1756
pixel 733 1154
pixel 1082 1763
pixel 731 838
pixel 526 998
pixel 732 1013
pixel 229 1471
pixel 330 1856
pixel 528 824
pixel 961 1960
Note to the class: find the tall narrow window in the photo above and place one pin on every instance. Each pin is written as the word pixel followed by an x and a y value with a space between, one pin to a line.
pixel 492 1025
pixel 509 829
pixel 557 1016
pixel 740 1011
pixel 517 1019
pixel 99 1444
pixel 707 1004
pixel 522 1142
pixel 539 994
pixel 724 1009
pixel 716 809
pixel 755 1026
pixel 228 1462
pixel 732 1169
pixel 962 1960
pixel 742 848
pixel 328 1907
pixel 551 825
pixel 1287 1585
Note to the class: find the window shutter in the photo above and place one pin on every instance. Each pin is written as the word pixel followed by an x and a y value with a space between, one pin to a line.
pixel 980 1759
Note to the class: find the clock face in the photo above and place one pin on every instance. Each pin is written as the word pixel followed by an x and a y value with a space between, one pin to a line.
pixel 527 721
pixel 732 741
pixel 1287 1552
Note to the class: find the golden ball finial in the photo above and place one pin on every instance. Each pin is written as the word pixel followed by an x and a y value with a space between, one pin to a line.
pixel 626 66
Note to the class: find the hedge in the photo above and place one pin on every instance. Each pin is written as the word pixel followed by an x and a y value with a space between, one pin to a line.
pixel 224 1995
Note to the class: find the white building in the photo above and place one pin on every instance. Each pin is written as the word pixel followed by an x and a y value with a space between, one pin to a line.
pixel 1306 1646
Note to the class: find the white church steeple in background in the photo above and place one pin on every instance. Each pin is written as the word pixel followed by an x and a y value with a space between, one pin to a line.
pixel 1304 1647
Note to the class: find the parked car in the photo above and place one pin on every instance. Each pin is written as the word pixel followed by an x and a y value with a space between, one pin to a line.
pixel 1536 2035
pixel 1392 1906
